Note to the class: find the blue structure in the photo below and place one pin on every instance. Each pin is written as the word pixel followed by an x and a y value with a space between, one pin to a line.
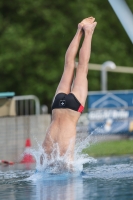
pixel 110 112
pixel 7 94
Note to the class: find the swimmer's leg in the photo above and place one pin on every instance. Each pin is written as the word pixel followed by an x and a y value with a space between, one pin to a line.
pixel 80 88
pixel 67 77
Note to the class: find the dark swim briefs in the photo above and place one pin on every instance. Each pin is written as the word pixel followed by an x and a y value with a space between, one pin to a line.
pixel 65 101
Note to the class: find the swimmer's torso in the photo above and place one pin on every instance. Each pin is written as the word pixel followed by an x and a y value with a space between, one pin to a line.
pixel 62 129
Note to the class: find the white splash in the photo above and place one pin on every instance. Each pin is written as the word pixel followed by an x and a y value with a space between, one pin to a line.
pixel 56 164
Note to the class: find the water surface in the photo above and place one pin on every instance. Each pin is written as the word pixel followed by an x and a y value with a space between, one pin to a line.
pixel 108 178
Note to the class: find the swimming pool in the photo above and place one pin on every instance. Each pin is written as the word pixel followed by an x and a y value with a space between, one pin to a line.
pixel 108 178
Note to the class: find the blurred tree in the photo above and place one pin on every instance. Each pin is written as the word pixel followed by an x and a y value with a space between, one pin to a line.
pixel 34 36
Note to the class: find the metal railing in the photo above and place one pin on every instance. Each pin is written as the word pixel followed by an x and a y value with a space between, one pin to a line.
pixel 27 105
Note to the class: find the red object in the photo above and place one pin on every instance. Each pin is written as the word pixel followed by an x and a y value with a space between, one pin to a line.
pixel 28 143
pixel 11 163
pixel 7 162
pixel 81 108
pixel 27 158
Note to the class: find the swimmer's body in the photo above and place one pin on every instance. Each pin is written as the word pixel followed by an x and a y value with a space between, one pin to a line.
pixel 62 130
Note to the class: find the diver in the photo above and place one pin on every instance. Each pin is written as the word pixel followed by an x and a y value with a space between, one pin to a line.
pixel 71 93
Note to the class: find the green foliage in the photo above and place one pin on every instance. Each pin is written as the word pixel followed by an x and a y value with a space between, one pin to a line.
pixel 34 36
pixel 110 148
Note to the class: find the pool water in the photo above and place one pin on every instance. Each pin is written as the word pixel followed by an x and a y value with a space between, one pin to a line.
pixel 107 179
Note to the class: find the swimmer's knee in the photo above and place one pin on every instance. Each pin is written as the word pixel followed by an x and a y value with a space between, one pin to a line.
pixel 69 64
pixel 82 68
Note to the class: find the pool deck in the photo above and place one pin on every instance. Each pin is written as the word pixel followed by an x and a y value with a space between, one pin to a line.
pixel 15 130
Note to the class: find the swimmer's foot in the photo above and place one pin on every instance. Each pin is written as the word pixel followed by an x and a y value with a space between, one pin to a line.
pixel 89 24
pixel 82 23
pixel 80 26
pixel 85 21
